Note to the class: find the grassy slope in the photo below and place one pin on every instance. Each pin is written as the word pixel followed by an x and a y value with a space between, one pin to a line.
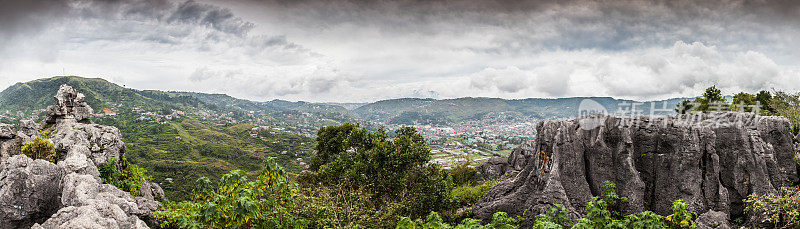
pixel 182 149
pixel 185 149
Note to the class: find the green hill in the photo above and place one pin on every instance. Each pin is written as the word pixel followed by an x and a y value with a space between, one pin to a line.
pixel 180 136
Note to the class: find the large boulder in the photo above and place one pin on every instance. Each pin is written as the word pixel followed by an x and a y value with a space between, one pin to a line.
pixel 497 168
pixel 28 130
pixel 711 162
pixel 104 143
pixel 493 169
pixel 713 219
pixel 6 131
pixel 30 191
pixel 96 215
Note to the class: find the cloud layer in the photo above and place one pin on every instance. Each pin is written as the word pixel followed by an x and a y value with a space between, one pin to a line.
pixel 364 51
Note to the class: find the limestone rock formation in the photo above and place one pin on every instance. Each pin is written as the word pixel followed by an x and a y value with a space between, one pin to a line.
pixel 28 130
pixel 69 193
pixel 6 131
pixel 497 168
pixel 70 106
pixel 711 162
pixel 29 190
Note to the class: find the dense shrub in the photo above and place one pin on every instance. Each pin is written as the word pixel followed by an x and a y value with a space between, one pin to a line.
pixel 604 212
pixel 392 171
pixel 129 179
pixel 342 207
pixel 788 106
pixel 500 220
pixel 236 202
pixel 40 148
pixel 464 174
pixel 783 210
pixel 466 195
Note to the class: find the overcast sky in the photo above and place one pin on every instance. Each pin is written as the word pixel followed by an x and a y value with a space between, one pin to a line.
pixel 361 51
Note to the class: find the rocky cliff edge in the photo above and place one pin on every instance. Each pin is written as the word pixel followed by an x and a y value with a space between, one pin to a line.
pixel 69 193
pixel 711 161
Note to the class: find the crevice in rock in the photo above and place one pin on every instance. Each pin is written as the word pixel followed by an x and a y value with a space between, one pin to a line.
pixel 588 174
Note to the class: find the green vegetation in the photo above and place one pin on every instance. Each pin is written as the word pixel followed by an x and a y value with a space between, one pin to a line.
pixel 604 211
pixel 392 172
pixel 236 202
pixel 184 149
pixel 130 178
pixel 782 210
pixel 40 148
pixel 712 100
pixel 466 195
pixel 208 139
pixel 500 220
pixel 788 105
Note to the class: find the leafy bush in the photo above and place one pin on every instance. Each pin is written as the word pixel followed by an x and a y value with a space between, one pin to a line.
pixel 500 220
pixel 390 170
pixel 782 210
pixel 555 218
pixel 788 106
pixel 129 179
pixel 236 202
pixel 464 174
pixel 681 218
pixel 40 148
pixel 467 195
pixel 604 212
pixel 343 207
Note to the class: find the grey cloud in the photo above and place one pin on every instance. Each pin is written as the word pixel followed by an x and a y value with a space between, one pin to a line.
pixel 221 19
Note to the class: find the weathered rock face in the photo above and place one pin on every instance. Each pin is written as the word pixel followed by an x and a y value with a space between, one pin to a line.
pixel 70 106
pixel 6 131
pixel 70 193
pixel 711 162
pixel 29 191
pixel 497 167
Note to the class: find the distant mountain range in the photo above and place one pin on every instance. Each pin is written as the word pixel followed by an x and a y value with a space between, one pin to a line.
pixel 101 93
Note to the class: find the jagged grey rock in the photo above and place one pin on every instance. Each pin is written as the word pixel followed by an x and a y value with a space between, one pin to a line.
pixel 28 130
pixel 97 215
pixel 493 169
pixel 9 147
pixel 713 219
pixel 29 191
pixel 104 142
pixel 70 105
pixel 711 162
pixel 71 193
pixel 6 131
pixel 497 167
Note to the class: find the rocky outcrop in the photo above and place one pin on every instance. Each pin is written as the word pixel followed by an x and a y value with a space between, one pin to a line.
pixel 711 162
pixel 28 130
pixel 6 131
pixel 497 168
pixel 30 190
pixel 70 106
pixel 69 193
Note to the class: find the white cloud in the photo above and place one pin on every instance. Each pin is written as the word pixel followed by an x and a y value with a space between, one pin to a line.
pixel 655 73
